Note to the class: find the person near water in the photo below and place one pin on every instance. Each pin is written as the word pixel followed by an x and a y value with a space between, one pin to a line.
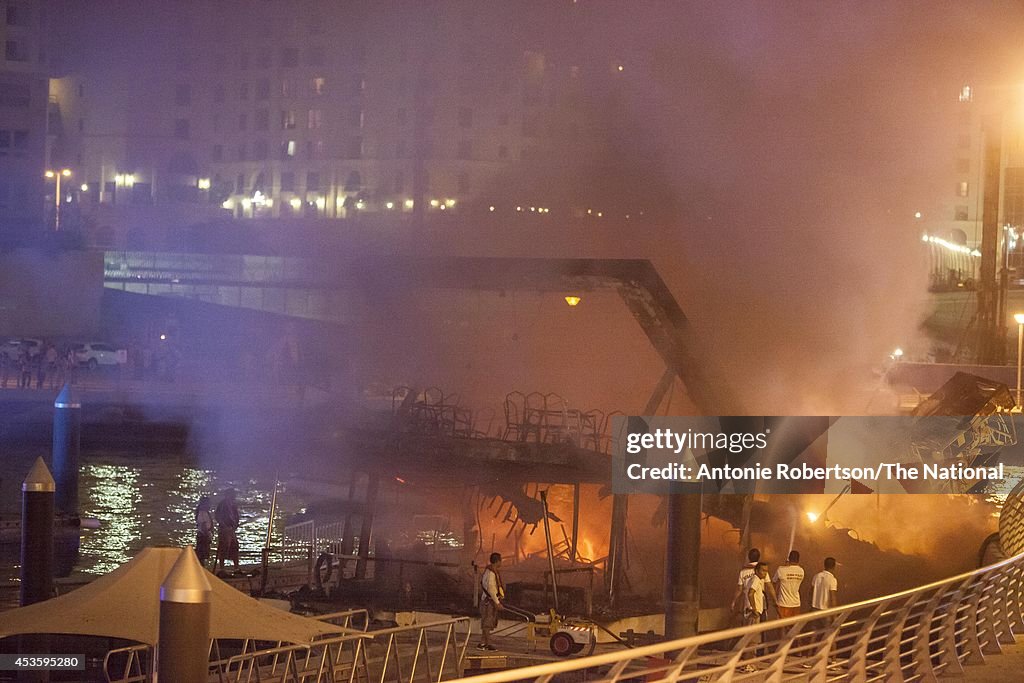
pixel 204 529
pixel 228 518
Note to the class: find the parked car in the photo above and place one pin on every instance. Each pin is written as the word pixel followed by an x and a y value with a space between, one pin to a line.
pixel 12 348
pixel 95 354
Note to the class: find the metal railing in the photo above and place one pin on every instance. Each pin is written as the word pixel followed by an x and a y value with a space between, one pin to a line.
pixel 417 653
pixel 909 636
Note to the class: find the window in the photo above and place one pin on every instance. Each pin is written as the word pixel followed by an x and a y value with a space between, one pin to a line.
pixel 16 51
pixel 288 148
pixel 354 117
pixel 218 93
pixel 243 122
pixel 259 150
pixel 217 153
pixel 287 88
pixel 15 95
pixel 16 15
pixel 318 84
pixel 358 83
pixel 216 123
pixel 262 119
pixel 465 117
pixel 181 129
pixel 465 149
pixel 962 189
pixel 314 118
pixel 287 181
pixel 503 118
pixel 288 120
pixel 183 95
pixel 402 114
pixel 960 213
pixel 20 139
pixel 354 182
pixel 315 149
pixel 5 140
pixel 963 165
pixel 463 182
pixel 289 57
pixel 966 94
pixel 353 147
pixel 263 89
pixel 312 182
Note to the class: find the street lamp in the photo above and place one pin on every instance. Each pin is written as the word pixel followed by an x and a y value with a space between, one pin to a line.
pixel 63 173
pixel 1019 317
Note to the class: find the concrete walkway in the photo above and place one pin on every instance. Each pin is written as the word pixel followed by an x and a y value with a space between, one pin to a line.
pixel 1002 668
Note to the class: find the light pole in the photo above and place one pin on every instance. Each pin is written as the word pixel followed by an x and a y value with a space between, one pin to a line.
pixel 1019 317
pixel 65 173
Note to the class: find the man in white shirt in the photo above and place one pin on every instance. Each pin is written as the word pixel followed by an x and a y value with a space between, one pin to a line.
pixel 753 557
pixel 755 602
pixel 824 587
pixel 490 600
pixel 788 579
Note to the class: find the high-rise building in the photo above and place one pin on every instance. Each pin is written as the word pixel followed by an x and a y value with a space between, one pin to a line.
pixel 23 115
pixel 254 109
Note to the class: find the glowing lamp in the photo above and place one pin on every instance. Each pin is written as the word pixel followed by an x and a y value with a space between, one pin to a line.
pixel 812 517
pixel 572 300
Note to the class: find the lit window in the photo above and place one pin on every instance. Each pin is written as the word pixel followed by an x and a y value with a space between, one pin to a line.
pixel 962 189
pixel 966 94
pixel 288 148
pixel 314 118
pixel 318 85
pixel 288 120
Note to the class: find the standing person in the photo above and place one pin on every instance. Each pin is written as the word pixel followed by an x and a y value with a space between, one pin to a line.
pixel 228 519
pixel 753 557
pixel 824 587
pixel 204 529
pixel 51 364
pixel 755 603
pixel 788 579
pixel 490 602
pixel 39 365
pixel 5 369
pixel 25 369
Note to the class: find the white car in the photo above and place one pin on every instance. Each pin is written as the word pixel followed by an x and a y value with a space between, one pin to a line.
pixel 12 347
pixel 95 354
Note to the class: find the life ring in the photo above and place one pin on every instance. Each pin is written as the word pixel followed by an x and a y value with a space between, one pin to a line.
pixel 328 559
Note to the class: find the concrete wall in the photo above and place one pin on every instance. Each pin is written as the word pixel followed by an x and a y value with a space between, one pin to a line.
pixel 50 294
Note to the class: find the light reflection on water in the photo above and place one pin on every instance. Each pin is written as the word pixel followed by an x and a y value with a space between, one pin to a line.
pixel 150 500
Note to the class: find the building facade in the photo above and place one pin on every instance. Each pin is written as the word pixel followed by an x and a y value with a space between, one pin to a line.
pixel 24 96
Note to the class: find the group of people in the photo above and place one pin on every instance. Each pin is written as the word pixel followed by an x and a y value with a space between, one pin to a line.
pixel 227 517
pixel 754 588
pixel 51 363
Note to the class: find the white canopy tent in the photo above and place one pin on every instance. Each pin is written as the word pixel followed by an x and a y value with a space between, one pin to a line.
pixel 126 604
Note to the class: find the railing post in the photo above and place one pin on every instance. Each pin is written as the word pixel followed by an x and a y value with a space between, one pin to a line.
pixel 922 652
pixel 986 618
pixel 1001 619
pixel 972 642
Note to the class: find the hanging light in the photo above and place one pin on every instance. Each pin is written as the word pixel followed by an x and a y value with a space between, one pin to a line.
pixel 572 300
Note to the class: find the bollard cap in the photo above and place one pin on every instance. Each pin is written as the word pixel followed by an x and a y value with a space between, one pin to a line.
pixel 39 479
pixel 186 582
pixel 67 398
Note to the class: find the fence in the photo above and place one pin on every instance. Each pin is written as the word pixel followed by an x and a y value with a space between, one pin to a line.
pixel 909 636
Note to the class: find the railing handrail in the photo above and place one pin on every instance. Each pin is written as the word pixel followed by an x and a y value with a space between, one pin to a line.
pixel 906 602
